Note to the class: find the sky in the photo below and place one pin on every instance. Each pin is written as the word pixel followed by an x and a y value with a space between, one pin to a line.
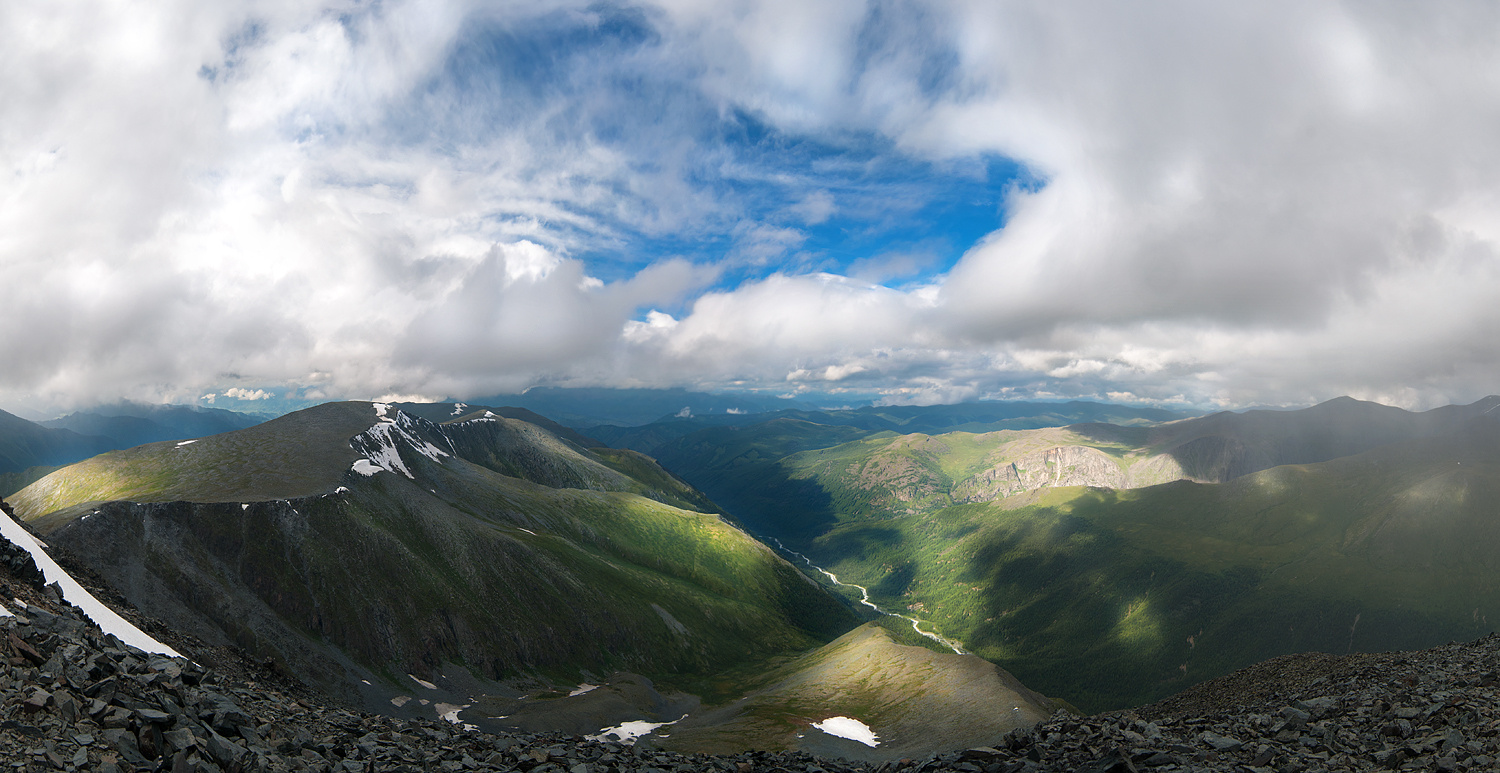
pixel 1207 205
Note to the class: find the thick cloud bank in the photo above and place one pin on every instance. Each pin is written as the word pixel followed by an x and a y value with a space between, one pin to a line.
pixel 1221 204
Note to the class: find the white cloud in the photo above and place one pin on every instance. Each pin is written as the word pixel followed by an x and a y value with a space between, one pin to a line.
pixel 246 394
pixel 1273 202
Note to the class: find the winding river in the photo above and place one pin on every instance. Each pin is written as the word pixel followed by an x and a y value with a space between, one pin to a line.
pixel 864 593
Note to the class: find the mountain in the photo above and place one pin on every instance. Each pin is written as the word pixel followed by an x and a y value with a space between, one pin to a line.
pixel 1111 565
pixel 131 424
pixel 1224 446
pixel 441 412
pixel 355 543
pixel 26 447
pixel 592 406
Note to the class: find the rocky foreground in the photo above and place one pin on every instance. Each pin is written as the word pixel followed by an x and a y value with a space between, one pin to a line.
pixel 73 699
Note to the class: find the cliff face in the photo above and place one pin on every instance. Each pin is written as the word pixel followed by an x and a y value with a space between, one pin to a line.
pixel 1053 467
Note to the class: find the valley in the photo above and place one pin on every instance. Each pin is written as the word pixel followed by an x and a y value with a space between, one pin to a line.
pixel 1114 565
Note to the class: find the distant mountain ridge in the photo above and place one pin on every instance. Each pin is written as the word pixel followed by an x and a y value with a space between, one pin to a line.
pixel 28 450
pixel 904 419
pixel 132 424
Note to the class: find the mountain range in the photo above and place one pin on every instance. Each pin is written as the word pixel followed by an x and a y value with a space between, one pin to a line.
pixel 480 564
pixel 477 562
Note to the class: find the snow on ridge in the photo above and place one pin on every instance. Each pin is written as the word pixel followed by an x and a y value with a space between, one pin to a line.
pixel 186 443
pixel 381 443
pixel 74 594
pixel 458 409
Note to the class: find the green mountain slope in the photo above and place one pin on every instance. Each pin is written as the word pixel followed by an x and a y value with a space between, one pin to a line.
pixel 1115 598
pixel 915 701
pixel 350 542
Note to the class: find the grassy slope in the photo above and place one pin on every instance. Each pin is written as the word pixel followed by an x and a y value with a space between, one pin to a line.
pixel 917 702
pixel 1110 598
pixel 298 455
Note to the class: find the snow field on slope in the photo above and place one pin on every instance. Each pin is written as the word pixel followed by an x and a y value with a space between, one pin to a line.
pixel 74 594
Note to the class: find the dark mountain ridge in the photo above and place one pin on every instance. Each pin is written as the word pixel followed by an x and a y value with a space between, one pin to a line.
pixel 131 424
pixel 1226 445
pixel 26 444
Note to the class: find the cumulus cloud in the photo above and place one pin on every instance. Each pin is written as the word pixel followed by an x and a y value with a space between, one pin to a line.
pixel 1274 202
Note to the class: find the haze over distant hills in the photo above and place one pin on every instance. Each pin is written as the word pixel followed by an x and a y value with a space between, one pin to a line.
pixel 128 424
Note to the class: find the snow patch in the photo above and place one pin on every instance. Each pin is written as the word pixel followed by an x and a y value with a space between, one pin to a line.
pixel 423 682
pixel 583 688
pixel 5 612
pixel 850 728
pixel 400 700
pixel 103 616
pixel 627 732
pixel 186 443
pixel 381 409
pixel 528 531
pixel 449 712
pixel 244 507
pixel 458 409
